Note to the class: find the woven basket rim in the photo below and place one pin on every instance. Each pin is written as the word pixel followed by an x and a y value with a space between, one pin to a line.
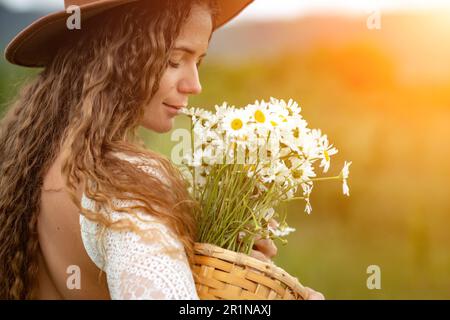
pixel 244 259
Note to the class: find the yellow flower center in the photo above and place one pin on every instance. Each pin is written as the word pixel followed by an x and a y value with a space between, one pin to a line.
pixel 273 123
pixel 259 116
pixel 236 124
pixel 297 174
pixel 327 156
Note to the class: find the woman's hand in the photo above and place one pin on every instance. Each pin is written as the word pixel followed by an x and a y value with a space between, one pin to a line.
pixel 265 249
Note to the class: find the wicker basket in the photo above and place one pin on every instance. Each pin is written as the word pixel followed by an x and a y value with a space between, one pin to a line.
pixel 227 275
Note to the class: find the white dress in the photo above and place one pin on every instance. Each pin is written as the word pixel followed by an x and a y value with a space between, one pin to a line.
pixel 136 268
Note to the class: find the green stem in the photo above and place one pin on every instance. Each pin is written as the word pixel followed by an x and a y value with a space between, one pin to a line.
pixel 325 178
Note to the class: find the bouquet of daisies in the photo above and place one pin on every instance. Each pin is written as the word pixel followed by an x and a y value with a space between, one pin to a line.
pixel 244 162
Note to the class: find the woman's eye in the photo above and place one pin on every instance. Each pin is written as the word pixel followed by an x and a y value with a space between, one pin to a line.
pixel 174 64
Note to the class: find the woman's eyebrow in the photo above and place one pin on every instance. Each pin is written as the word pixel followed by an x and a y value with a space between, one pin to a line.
pixel 188 50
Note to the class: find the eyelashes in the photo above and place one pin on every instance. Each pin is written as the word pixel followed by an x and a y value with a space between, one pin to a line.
pixel 176 65
pixel 173 64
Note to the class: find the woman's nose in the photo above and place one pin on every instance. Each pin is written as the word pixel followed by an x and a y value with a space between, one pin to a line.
pixel 190 84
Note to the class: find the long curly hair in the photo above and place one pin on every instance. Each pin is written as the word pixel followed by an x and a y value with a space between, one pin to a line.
pixel 87 103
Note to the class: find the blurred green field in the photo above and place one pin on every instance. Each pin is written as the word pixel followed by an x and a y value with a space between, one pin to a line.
pixel 398 136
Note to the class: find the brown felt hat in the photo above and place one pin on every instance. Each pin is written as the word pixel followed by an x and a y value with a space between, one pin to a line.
pixel 36 45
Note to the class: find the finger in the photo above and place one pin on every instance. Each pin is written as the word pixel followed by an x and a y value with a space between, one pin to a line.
pixel 314 295
pixel 258 255
pixel 266 246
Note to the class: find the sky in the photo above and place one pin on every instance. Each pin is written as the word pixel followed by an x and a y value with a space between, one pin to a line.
pixel 272 9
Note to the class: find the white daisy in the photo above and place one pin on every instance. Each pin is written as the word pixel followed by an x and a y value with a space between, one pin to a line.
pixel 281 232
pixel 198 113
pixel 258 112
pixel 197 158
pixel 222 110
pixel 307 189
pixel 277 115
pixel 308 208
pixel 344 174
pixel 302 169
pixel 293 107
pixel 235 123
pixel 268 214
pixel 326 151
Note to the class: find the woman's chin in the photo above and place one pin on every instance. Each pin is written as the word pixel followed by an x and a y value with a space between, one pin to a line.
pixel 164 130
pixel 162 127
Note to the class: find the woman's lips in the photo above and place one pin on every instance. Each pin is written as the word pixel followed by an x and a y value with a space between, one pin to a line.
pixel 174 110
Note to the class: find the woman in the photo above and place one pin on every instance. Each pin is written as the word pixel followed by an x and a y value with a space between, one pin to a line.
pixel 69 145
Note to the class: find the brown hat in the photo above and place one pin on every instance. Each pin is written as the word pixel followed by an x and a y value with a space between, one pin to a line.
pixel 36 44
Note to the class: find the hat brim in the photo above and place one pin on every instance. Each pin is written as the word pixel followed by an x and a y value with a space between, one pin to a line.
pixel 36 45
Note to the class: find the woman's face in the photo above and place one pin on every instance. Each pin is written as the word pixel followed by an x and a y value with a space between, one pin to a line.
pixel 181 79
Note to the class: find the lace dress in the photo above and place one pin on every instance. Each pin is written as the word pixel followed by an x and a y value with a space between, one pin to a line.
pixel 136 268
